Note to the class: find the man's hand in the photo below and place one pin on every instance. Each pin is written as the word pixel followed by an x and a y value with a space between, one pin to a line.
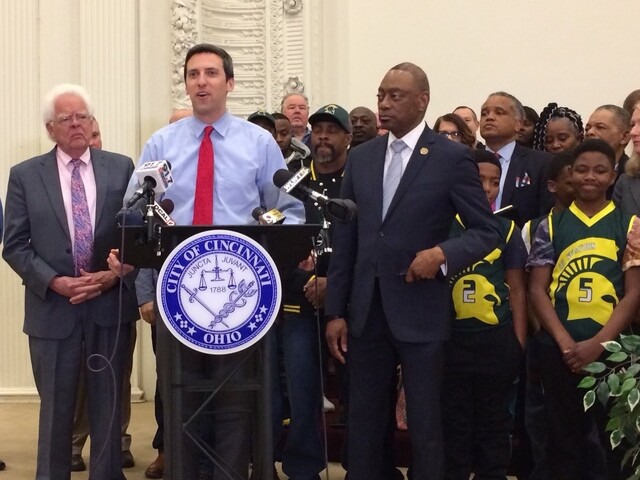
pixel 77 289
pixel 336 334
pixel 308 263
pixel 315 290
pixel 119 269
pixel 106 278
pixel 582 354
pixel 148 313
pixel 425 265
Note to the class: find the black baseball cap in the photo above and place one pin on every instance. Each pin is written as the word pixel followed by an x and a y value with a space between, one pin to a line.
pixel 262 114
pixel 332 113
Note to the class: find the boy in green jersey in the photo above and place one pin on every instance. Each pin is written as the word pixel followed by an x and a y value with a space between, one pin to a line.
pixel 483 355
pixel 582 297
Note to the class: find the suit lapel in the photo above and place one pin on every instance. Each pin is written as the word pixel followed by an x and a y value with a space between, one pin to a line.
pixel 376 167
pixel 48 172
pixel 100 171
pixel 416 162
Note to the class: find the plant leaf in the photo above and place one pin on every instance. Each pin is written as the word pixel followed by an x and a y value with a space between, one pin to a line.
pixel 618 357
pixel 595 367
pixel 588 400
pixel 612 346
pixel 630 342
pixel 628 384
pixel 614 384
pixel 587 382
pixel 602 391
pixel 613 424
pixel 615 438
pixel 633 370
pixel 633 398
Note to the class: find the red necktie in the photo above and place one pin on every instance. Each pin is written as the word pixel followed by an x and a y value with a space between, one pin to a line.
pixel 203 203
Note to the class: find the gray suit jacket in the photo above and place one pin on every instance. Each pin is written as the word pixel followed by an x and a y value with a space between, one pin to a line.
pixel 38 245
pixel 626 194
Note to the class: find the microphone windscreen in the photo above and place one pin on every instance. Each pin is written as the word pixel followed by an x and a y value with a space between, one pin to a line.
pixel 167 205
pixel 130 217
pixel 257 212
pixel 281 177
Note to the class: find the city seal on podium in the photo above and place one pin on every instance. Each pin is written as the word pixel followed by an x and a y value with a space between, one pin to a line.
pixel 219 292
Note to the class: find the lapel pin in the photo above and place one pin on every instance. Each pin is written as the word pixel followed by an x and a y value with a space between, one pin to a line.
pixel 424 151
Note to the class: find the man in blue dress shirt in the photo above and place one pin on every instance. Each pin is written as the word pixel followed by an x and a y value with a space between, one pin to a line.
pixel 245 159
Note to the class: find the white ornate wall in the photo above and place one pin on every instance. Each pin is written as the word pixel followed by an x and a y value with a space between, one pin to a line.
pixel 266 39
pixel 129 55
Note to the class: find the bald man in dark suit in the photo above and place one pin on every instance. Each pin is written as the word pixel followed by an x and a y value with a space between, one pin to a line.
pixel 523 182
pixel 388 300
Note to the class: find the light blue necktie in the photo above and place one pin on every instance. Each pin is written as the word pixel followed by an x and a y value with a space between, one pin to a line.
pixel 393 176
pixel 82 229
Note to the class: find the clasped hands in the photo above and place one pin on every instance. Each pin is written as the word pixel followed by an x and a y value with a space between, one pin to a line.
pixel 85 287
pixel 580 354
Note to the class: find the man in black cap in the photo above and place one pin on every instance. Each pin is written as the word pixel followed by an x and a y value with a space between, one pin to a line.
pixel 303 455
pixel 264 119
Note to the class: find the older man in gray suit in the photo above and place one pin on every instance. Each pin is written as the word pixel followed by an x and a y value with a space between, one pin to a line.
pixel 60 227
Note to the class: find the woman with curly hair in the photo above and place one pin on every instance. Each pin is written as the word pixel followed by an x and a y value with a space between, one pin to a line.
pixel 454 128
pixel 558 130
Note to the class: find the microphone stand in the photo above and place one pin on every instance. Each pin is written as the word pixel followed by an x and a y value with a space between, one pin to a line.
pixel 322 246
pixel 149 217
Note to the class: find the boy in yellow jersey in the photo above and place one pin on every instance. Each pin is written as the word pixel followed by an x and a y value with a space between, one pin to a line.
pixel 483 356
pixel 582 297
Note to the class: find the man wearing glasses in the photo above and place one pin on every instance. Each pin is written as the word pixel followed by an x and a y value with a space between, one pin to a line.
pixel 60 227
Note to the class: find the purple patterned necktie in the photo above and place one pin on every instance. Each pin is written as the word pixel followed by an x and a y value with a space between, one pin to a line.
pixel 83 232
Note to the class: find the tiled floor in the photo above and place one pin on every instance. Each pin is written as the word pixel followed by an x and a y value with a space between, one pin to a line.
pixel 18 442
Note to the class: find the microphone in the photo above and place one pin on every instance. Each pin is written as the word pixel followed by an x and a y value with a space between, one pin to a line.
pixel 136 217
pixel 271 217
pixel 152 177
pixel 343 210
pixel 291 183
pixel 163 211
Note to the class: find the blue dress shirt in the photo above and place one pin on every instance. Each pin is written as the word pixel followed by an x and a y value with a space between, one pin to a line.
pixel 245 158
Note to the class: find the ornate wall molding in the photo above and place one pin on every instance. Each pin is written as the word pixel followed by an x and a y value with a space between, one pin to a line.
pixel 292 7
pixel 184 35
pixel 266 39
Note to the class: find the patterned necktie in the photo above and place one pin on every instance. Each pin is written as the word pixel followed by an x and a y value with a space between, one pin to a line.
pixel 394 173
pixel 203 203
pixel 82 230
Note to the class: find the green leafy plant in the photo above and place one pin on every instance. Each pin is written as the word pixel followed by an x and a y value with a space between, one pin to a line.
pixel 614 383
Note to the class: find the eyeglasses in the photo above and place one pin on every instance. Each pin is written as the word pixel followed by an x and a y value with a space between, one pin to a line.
pixel 454 134
pixel 66 120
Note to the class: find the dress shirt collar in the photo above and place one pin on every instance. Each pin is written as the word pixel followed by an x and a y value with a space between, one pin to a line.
pixel 506 152
pixel 221 126
pixel 411 138
pixel 65 159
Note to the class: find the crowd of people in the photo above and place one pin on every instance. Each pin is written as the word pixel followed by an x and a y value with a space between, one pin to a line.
pixel 472 267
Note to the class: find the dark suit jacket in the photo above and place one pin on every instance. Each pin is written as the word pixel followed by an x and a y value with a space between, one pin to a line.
pixel 441 179
pixel 38 245
pixel 525 186
pixel 620 166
